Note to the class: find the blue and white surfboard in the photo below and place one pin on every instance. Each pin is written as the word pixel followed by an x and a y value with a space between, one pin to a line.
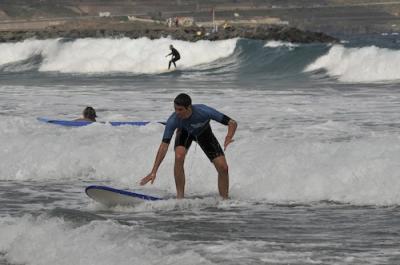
pixel 74 123
pixel 113 197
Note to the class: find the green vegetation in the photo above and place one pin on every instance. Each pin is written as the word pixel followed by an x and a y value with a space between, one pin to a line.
pixel 36 10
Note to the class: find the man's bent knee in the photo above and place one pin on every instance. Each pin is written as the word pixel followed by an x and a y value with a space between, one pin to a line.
pixel 221 165
pixel 223 169
pixel 180 154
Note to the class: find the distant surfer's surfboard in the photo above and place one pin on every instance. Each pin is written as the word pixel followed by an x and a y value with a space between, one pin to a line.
pixel 173 71
pixel 113 197
pixel 72 123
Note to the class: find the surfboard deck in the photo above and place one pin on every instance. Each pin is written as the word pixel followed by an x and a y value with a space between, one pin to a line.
pixel 72 123
pixel 112 197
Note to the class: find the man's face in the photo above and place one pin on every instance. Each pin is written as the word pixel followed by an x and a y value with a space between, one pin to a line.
pixel 182 112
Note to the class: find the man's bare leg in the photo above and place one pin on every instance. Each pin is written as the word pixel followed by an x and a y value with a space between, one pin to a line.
pixel 223 176
pixel 179 171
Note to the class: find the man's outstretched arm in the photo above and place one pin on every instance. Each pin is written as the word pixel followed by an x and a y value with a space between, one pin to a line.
pixel 232 125
pixel 162 151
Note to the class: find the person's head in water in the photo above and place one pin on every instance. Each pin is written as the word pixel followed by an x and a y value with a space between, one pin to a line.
pixel 89 114
pixel 170 46
pixel 183 106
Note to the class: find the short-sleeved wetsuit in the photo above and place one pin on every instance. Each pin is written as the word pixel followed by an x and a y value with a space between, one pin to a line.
pixel 175 54
pixel 175 57
pixel 196 127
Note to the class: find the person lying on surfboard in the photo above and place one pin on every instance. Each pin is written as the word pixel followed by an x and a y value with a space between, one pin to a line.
pixel 88 114
pixel 192 122
pixel 175 56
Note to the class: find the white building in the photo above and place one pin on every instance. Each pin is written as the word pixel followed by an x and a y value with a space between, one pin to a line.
pixel 104 14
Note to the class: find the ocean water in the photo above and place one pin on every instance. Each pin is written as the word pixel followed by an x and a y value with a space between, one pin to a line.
pixel 314 169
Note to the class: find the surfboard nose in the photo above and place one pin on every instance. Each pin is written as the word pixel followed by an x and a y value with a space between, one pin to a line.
pixel 112 197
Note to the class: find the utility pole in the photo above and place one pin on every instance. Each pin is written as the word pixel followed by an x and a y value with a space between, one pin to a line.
pixel 213 16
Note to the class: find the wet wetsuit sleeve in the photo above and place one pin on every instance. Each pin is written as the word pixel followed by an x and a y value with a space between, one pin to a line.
pixel 216 115
pixel 169 130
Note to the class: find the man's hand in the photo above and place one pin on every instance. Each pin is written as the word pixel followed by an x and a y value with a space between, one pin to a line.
pixel 150 177
pixel 232 125
pixel 162 150
pixel 228 140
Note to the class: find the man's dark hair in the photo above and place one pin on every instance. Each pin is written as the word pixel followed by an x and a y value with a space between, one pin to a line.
pixel 183 100
pixel 89 113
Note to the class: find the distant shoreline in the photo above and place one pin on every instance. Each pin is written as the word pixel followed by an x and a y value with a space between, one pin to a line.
pixel 109 28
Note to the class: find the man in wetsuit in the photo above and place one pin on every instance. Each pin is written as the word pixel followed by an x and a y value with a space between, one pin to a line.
pixel 175 56
pixel 192 122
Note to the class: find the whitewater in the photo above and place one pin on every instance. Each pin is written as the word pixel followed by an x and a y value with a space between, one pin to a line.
pixel 314 170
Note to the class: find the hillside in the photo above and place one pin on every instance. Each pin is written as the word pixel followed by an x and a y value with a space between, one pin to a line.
pixel 330 16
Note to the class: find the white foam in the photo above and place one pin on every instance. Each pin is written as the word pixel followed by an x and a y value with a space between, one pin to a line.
pixel 14 52
pixel 363 171
pixel 141 56
pixel 134 56
pixel 42 241
pixel 277 44
pixel 367 64
pixel 358 172
pixel 300 147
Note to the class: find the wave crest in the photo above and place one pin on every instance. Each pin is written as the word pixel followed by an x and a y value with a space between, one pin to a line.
pixel 139 56
pixel 359 65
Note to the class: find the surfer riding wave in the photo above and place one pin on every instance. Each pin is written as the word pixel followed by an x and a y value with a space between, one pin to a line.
pixel 175 56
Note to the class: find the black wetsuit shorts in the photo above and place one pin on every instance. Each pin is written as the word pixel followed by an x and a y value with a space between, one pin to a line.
pixel 207 141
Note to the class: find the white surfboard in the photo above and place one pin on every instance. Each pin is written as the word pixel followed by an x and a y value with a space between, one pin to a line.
pixel 113 197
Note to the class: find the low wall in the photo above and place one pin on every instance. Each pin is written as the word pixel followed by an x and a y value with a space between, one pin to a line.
pixel 29 25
